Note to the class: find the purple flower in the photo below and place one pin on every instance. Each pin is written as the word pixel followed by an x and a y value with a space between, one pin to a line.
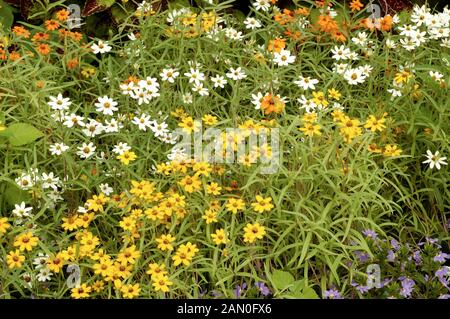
pixel 407 287
pixel 441 257
pixel 395 244
pixel 385 282
pixel 332 294
pixel 239 289
pixel 430 241
pixel 263 289
pixel 362 256
pixel 369 233
pixel 448 224
pixel 391 256
pixel 443 275
pixel 417 257
pixel 444 297
pixel 216 294
pixel 360 288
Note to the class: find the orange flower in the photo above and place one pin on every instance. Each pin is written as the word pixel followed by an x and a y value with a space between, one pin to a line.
pixel 21 31
pixel 302 11
pixel 51 25
pixel 62 15
pixel 386 23
pixel 295 35
pixel 285 17
pixel 3 56
pixel 43 48
pixel 40 36
pixel 356 5
pixel 339 36
pixel 72 63
pixel 13 56
pixel 277 45
pixel 327 24
pixel 272 104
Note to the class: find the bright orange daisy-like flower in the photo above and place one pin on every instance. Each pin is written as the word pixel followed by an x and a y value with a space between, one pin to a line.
pixel 272 104
pixel 356 5
pixel 43 49
pixel 51 25
pixel 277 45
pixel 62 15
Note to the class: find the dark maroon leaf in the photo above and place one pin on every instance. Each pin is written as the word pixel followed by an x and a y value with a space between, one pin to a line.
pixel 91 7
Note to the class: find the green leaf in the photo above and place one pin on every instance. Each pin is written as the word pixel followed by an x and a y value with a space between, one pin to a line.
pixel 308 293
pixel 6 16
pixel 15 195
pixel 282 279
pixel 22 133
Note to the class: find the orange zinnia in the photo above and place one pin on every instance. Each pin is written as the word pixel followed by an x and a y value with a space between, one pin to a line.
pixel 62 15
pixel 40 36
pixel 272 104
pixel 277 45
pixel 43 48
pixel 386 23
pixel 13 56
pixel 327 24
pixel 72 64
pixel 356 5
pixel 21 31
pixel 51 25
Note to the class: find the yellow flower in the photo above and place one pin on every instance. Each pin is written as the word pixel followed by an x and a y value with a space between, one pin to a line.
pixel 202 168
pixel 253 232
pixel 213 188
pixel 310 129
pixel 130 291
pixel 262 204
pixel 220 237
pixel 402 77
pixel 97 202
pixel 14 259
pixel 26 241
pixel 334 94
pixel 161 282
pixel 190 183
pixel 70 223
pixel 209 119
pixel 165 242
pixel 129 255
pixel 375 124
pixel 373 148
pixel 392 150
pixel 310 117
pixel 319 98
pixel 189 125
pixel 155 270
pixel 234 205
pixel 127 157
pixel 104 267
pixel 81 292
pixel 4 225
pixel 210 216
pixel 55 263
pixel 184 254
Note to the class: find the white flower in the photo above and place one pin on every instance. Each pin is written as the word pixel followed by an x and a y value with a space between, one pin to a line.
pixel 257 100
pixel 263 5
pixel 390 44
pixel 93 128
pixel 395 93
pixel 436 76
pixel 25 181
pixel 306 83
pixel 149 84
pixel 283 58
pixel 169 75
pixel 340 53
pixel 187 98
pixel 159 129
pixel 141 95
pixel 307 104
pixel 21 210
pixel 121 148
pixel 112 126
pixel 252 23
pixel 142 122
pixel 86 150
pixel 40 261
pixel 195 76
pixel 236 74
pixel 340 68
pixel 435 160
pixel 50 181
pixel 101 47
pixel 407 30
pixel 59 102
pixel 360 39
pixel 354 76
pixel 233 34
pixel 58 148
pixel 73 119
pixel 44 274
pixel 106 189
pixel 219 81
pixel 106 105
pixel 127 88
pixel 200 89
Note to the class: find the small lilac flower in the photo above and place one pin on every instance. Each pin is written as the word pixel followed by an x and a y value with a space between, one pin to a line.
pixel 216 294
pixel 443 275
pixel 395 244
pixel 441 257
pixel 239 289
pixel 448 224
pixel 362 256
pixel 332 294
pixel 447 296
pixel 407 287
pixel 430 241
pixel 369 233
pixel 385 282
pixel 417 257
pixel 263 289
pixel 390 256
